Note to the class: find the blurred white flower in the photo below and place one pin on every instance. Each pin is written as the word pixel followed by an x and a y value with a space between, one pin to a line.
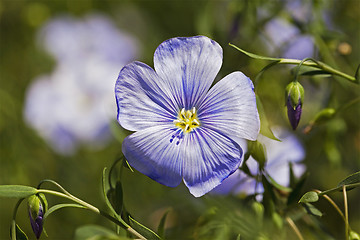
pixel 279 155
pixel 75 104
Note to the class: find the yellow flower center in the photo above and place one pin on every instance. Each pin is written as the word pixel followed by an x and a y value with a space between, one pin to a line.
pixel 187 120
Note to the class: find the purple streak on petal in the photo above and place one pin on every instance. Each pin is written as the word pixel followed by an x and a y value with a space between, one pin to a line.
pixel 188 66
pixel 230 108
pixel 143 100
pixel 150 152
pixel 208 158
pixel 294 114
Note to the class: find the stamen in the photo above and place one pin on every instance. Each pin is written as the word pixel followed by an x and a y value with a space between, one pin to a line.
pixel 186 122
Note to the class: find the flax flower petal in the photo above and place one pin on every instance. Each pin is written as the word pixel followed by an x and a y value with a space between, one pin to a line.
pixel 230 108
pixel 141 98
pixel 188 66
pixel 209 158
pixel 150 152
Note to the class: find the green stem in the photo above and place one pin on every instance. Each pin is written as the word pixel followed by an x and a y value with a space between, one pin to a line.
pixel 294 227
pixel 317 64
pixel 13 222
pixel 346 213
pixel 332 203
pixel 338 188
pixel 119 222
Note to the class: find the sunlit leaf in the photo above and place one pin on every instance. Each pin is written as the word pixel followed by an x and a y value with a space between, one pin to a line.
pixel 17 191
pixel 309 197
pixel 95 232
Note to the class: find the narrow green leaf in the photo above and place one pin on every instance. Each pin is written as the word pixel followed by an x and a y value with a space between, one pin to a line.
pixel 252 55
pixel 17 191
pixel 115 196
pixel 20 235
pixel 59 206
pixel 264 124
pixel 95 232
pixel 357 74
pixel 295 193
pixel 144 231
pixel 353 178
pixel 277 185
pixel 106 187
pixel 309 197
pixel 161 227
pixel 311 209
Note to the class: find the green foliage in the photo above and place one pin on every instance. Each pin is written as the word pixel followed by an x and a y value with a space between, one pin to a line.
pixel 161 227
pixel 264 124
pixel 16 191
pixel 350 180
pixel 60 206
pixel 26 157
pixel 309 197
pixel 95 232
pixel 20 235
pixel 258 152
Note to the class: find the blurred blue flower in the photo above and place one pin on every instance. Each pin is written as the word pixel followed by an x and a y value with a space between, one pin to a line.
pixel 74 104
pixel 285 39
pixel 279 155
pixel 183 129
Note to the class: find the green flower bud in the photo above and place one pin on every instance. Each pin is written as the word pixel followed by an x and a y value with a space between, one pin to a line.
pixel 37 206
pixel 294 95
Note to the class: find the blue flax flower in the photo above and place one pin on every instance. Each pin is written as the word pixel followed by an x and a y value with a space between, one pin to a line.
pixel 183 129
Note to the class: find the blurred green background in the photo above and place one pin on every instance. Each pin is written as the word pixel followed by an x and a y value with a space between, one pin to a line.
pixel 332 149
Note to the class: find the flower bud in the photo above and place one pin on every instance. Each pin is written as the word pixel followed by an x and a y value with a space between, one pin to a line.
pixel 37 207
pixel 294 95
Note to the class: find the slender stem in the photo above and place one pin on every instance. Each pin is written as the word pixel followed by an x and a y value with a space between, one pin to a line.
pixel 316 64
pixel 94 209
pixel 55 183
pixel 299 66
pixel 346 214
pixel 338 188
pixel 13 222
pixel 332 203
pixel 295 228
pixel 320 65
